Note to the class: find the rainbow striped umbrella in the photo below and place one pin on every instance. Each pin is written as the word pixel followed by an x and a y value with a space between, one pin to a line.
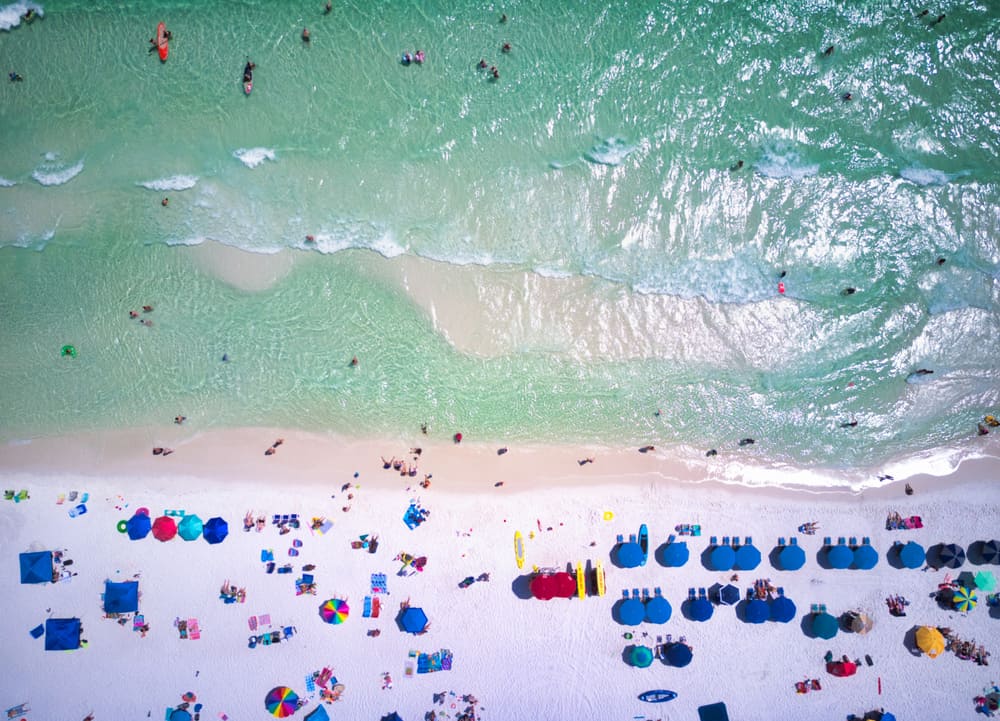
pixel 334 610
pixel 964 599
pixel 281 701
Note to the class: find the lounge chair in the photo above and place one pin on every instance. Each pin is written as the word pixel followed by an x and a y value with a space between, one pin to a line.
pixel 714 541
pixel 621 538
pixel 866 541
pixel 657 591
pixel 671 538
pixel 635 593
pixel 841 541
pixel 702 593
pixel 827 541
pixel 736 540
pixel 853 541
pixel 691 594
pixel 793 541
pixel 367 612
pixel 696 530
pixel 780 591
pixel 781 540
pixel 725 540
pixel 748 541
pixel 645 594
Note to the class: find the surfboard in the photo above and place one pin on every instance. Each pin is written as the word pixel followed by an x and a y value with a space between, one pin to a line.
pixel 247 88
pixel 657 696
pixel 599 576
pixel 644 543
pixel 162 47
pixel 581 581
pixel 519 549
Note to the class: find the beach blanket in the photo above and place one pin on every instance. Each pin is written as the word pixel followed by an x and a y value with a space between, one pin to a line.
pixel 194 633
pixel 379 583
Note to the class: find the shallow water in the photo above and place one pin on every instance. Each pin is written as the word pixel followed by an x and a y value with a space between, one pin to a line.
pixel 622 267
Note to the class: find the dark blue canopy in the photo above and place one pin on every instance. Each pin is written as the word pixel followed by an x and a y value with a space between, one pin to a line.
pixel 747 557
pixel 722 558
pixel 791 558
pixel 839 556
pixel 678 655
pixel 631 612
pixel 413 620
pixel 757 611
pixel 782 610
pixel 729 594
pixel 658 610
pixel 676 554
pixel 121 597
pixel 179 714
pixel 865 557
pixel 991 552
pixel 824 625
pixel 62 634
pixel 629 555
pixel 36 567
pixel 950 555
pixel 215 530
pixel 701 609
pixel 318 714
pixel 911 555
pixel 138 527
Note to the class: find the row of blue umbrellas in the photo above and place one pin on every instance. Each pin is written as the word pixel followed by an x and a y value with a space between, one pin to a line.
pixel 191 527
pixel 656 609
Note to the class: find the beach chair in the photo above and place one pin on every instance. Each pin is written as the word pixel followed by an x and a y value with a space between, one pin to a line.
pixel 671 538
pixel 866 541
pixel 625 594
pixel 264 619
pixel 691 594
pixel 310 684
pixel 827 541
pixel 631 538
pixel 288 631
pixel 713 541
pixel 266 554
pixel 853 541
pixel 696 530
pixel 657 591
pixel 645 594
pixel 703 593
pixel 814 608
pixel 725 540
pixel 841 541
pixel 736 540
pixel 376 607
pixel 194 632
pixel 793 541
pixel 620 538
pixel 367 612
pixel 780 591
pixel 748 541
pixel 635 593
pixel 781 541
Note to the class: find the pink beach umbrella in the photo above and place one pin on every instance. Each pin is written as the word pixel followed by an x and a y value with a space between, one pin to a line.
pixel 164 528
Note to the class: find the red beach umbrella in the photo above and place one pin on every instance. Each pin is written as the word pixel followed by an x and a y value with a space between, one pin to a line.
pixel 543 587
pixel 842 668
pixel 164 528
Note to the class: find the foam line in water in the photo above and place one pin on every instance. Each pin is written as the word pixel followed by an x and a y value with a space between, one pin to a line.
pixel 252 157
pixel 610 151
pixel 924 176
pixel 53 173
pixel 10 15
pixel 4 183
pixel 174 182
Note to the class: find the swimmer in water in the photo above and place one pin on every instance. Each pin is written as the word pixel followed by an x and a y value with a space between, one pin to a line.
pixel 828 52
pixel 305 35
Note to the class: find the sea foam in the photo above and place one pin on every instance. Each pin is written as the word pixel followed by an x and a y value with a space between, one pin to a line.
pixel 785 163
pixel 610 151
pixel 252 157
pixel 54 173
pixel 174 182
pixel 4 183
pixel 10 15
pixel 924 176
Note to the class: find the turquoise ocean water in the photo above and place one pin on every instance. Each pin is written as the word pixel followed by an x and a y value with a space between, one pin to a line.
pixel 602 153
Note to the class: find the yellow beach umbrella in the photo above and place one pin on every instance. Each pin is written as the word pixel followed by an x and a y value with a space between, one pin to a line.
pixel 930 641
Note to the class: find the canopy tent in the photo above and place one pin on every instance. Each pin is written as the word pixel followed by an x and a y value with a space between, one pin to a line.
pixel 631 612
pixel 679 654
pixel 911 555
pixel 413 620
pixel 138 526
pixel 985 581
pixel 334 610
pixel 722 558
pixel 757 611
pixel 747 557
pixel 700 609
pixel 842 668
pixel 729 594
pixel 121 597
pixel 964 599
pixel 281 701
pixel 991 552
pixel 164 528
pixel 782 609
pixel 949 555
pixel 839 556
pixel 62 634
pixel 791 558
pixel 630 555
pixel 658 610
pixel 179 714
pixel 930 641
pixel 676 554
pixel 190 527
pixel 318 714
pixel 215 530
pixel 824 625
pixel 640 656
pixel 865 557
pixel 36 567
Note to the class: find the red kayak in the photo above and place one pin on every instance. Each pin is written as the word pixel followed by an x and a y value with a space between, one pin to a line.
pixel 161 42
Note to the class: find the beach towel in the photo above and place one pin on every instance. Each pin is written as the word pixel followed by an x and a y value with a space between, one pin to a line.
pixel 311 683
pixel 264 619
pixel 138 622
pixel 252 622
pixel 194 633
pixel 376 607
pixel 367 611
pixel 379 583
pixel 37 631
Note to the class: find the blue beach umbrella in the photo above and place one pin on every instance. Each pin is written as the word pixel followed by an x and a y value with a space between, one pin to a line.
pixel 950 555
pixel 729 594
pixel 824 626
pixel 629 555
pixel 640 656
pixel 839 556
pixel 865 557
pixel 631 612
pixel 658 610
pixel 791 558
pixel 912 554
pixel 782 609
pixel 991 552
pixel 701 609
pixel 138 527
pixel 676 554
pixel 190 527
pixel 757 611
pixel 215 530
pixel 679 655
pixel 722 558
pixel 747 557
pixel 413 620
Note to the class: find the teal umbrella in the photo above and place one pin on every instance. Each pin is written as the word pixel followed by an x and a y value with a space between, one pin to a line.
pixel 985 581
pixel 824 625
pixel 189 528
pixel 640 656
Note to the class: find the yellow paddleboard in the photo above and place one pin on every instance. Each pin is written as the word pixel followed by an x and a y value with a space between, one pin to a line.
pixel 581 581
pixel 599 574
pixel 519 549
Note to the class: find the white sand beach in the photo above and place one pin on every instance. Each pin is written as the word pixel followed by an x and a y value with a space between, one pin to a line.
pixel 518 657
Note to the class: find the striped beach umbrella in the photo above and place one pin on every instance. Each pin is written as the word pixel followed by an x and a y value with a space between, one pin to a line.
pixel 964 599
pixel 281 701
pixel 334 610
pixel 991 552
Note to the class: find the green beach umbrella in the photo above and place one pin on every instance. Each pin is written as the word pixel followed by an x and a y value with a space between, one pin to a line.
pixel 189 528
pixel 985 581
pixel 640 656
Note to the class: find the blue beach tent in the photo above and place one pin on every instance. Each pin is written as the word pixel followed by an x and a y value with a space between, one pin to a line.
pixel 318 714
pixel 630 555
pixel 729 594
pixel 658 610
pixel 782 609
pixel 865 557
pixel 121 597
pixel 701 609
pixel 62 634
pixel 413 620
pixel 138 526
pixel 839 556
pixel 36 567
pixel 676 554
pixel 757 611
pixel 747 557
pixel 631 612
pixel 911 554
pixel 791 558
pixel 722 558
pixel 215 530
